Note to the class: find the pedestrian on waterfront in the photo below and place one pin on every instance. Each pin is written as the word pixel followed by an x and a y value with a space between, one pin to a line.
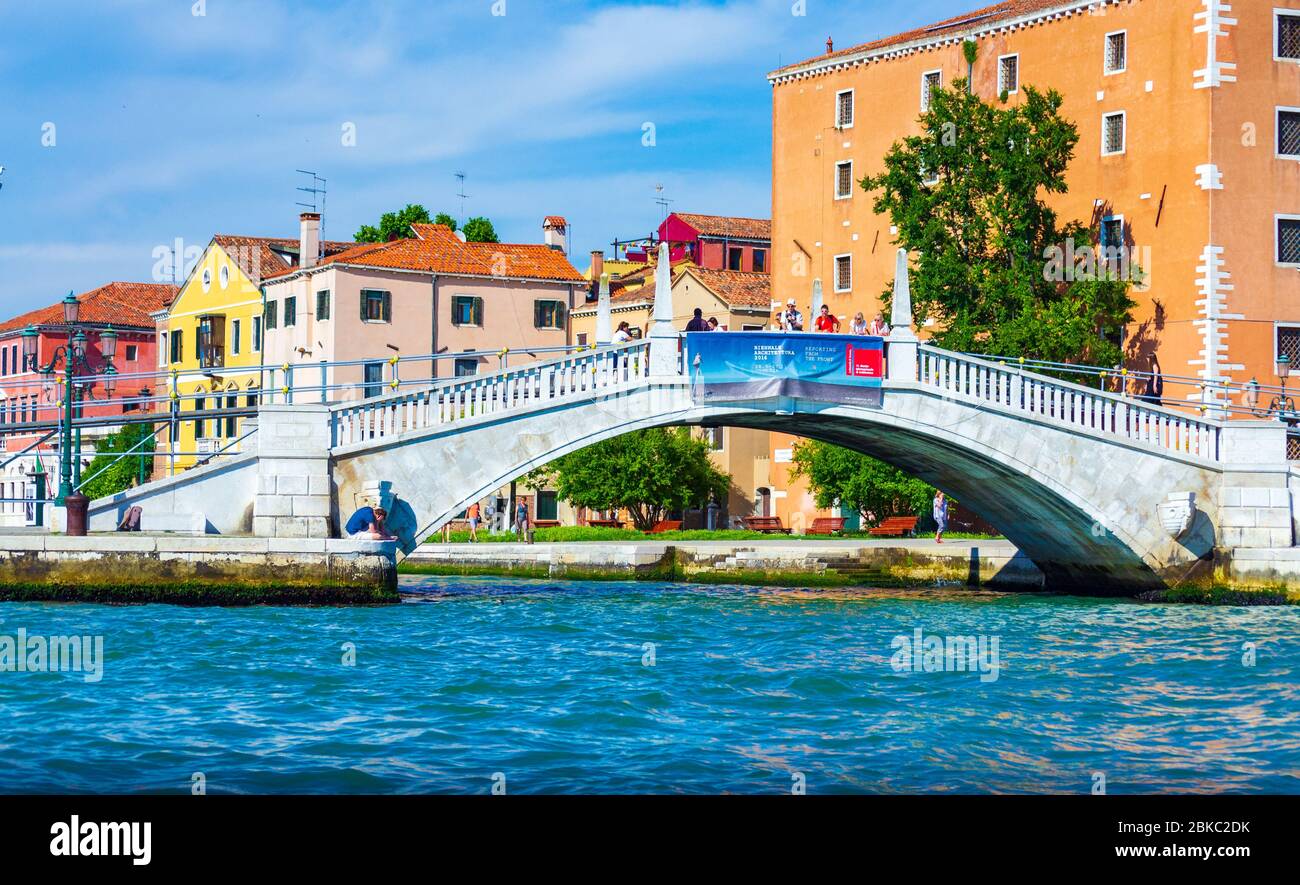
pixel 623 334
pixel 940 516
pixel 368 524
pixel 792 319
pixel 878 326
pixel 473 515
pixel 1155 386
pixel 697 323
pixel 859 325
pixel 826 321
pixel 522 521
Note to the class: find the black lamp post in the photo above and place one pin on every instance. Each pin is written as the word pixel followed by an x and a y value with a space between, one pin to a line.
pixel 75 364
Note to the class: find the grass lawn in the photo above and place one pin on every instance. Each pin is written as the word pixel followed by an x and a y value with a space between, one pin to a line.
pixel 572 533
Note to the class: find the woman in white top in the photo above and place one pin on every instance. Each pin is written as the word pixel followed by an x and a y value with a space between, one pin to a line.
pixel 859 325
pixel 878 326
pixel 622 334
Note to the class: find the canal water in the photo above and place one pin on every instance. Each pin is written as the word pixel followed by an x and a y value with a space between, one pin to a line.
pixel 555 687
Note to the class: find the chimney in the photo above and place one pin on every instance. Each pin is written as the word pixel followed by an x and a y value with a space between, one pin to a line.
pixel 597 264
pixel 830 45
pixel 555 233
pixel 308 238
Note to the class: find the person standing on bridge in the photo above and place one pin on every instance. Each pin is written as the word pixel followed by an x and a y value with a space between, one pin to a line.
pixel 697 323
pixel 940 516
pixel 826 321
pixel 859 325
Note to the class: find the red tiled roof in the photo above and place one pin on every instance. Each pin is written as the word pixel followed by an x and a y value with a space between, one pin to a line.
pixel 435 249
pixel 728 226
pixel 736 288
pixel 122 305
pixel 260 257
pixel 556 221
pixel 967 21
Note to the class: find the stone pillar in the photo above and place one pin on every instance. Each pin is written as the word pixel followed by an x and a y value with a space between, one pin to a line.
pixel 604 334
pixel 902 342
pixel 663 337
pixel 293 467
pixel 816 305
pixel 1253 442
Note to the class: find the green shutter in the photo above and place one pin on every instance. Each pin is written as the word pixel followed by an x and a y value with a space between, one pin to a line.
pixel 388 307
pixel 477 317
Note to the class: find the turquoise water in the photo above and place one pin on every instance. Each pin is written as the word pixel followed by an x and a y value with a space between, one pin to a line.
pixel 750 690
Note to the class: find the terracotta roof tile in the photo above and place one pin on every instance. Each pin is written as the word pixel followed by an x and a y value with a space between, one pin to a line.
pixel 435 249
pixel 122 305
pixel 260 257
pixel 737 288
pixel 728 226
pixel 968 21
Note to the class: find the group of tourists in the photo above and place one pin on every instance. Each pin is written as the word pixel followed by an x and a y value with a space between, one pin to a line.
pixel 790 319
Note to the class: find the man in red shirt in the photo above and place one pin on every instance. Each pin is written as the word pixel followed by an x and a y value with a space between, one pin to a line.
pixel 826 322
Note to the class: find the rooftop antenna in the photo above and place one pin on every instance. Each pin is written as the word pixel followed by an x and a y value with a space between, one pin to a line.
pixel 460 192
pixel 317 189
pixel 661 200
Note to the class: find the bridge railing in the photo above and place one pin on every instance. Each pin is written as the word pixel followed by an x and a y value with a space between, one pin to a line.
pixel 621 366
pixel 1069 404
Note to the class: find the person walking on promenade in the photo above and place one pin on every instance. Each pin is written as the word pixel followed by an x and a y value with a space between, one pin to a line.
pixel 878 326
pixel 697 323
pixel 826 321
pixel 940 516
pixel 472 514
pixel 522 521
pixel 859 325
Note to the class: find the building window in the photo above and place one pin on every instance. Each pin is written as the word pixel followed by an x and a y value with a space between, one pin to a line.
pixel 1286 26
pixel 257 334
pixel 760 260
pixel 290 311
pixel 582 339
pixel 178 346
pixel 132 353
pixel 223 276
pixel 714 437
pixel 207 278
pixel 162 349
pixel 466 310
pixel 928 178
pixel 236 336
pixel 374 376
pixel 465 366
pixel 272 314
pixel 1113 128
pixel 548 314
pixel 735 259
pixel 1288 133
pixel 200 424
pixel 323 304
pixel 1117 52
pixel 844 109
pixel 547 505
pixel 231 422
pixel 844 180
pixel 843 273
pixel 212 343
pixel 1112 231
pixel 1008 74
pixel 4 362
pixel 1288 239
pixel 376 306
pixel 930 81
pixel 1287 341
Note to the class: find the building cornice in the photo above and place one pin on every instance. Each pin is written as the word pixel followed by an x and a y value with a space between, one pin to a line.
pixel 822 65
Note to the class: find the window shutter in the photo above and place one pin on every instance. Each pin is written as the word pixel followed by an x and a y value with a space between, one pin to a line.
pixel 537 314
pixel 560 308
pixel 388 307
pixel 478 312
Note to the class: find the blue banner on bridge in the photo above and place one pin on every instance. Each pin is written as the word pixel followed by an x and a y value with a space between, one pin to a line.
pixel 845 369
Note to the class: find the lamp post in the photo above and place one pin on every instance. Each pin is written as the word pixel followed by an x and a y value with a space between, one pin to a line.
pixel 1282 405
pixel 76 364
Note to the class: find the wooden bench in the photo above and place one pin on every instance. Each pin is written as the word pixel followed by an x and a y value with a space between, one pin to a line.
pixel 766 524
pixel 666 525
pixel 896 527
pixel 605 523
pixel 827 525
pixel 546 523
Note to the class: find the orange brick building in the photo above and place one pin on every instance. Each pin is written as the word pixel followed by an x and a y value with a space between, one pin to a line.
pixel 1189 153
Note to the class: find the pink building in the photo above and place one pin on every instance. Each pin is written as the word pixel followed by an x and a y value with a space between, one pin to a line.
pixel 714 242
pixel 430 294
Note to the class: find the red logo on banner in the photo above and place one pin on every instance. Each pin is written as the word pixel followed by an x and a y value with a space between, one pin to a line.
pixel 860 362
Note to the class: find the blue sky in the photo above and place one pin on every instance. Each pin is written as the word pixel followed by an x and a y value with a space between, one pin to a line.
pixel 169 125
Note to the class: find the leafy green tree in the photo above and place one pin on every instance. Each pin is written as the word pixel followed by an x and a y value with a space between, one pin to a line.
pixel 969 199
pixel 445 219
pixel 118 476
pixel 396 224
pixel 869 486
pixel 648 472
pixel 480 230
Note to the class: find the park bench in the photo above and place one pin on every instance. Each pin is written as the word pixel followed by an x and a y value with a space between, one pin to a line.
pixel 827 525
pixel 605 523
pixel 546 523
pixel 896 527
pixel 766 524
pixel 666 525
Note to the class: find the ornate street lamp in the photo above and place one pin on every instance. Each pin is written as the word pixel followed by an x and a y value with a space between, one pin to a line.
pixel 71 309
pixel 1282 405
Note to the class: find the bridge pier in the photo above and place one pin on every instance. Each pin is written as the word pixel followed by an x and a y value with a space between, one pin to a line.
pixel 293 472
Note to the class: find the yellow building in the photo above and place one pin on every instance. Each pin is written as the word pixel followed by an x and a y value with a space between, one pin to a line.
pixel 210 343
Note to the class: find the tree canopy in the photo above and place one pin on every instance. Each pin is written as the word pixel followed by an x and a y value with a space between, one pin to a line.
pixel 869 486
pixel 117 476
pixel 648 472
pixel 398 225
pixel 968 197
